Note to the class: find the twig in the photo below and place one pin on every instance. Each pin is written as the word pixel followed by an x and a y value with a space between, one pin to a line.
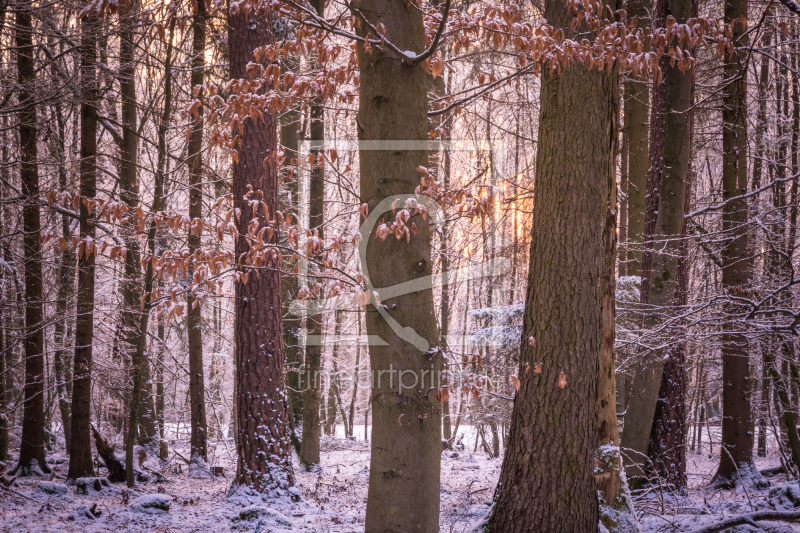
pixel 18 493
pixel 182 457
pixel 749 519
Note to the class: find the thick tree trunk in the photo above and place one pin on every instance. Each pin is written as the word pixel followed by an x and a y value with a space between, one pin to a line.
pixel 264 454
pixel 670 155
pixel 737 412
pixel 404 477
pixel 547 480
pixel 31 454
pixel 199 428
pixel 667 449
pixel 80 464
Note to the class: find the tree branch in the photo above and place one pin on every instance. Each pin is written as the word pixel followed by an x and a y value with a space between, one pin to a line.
pixel 792 6
pixel 749 519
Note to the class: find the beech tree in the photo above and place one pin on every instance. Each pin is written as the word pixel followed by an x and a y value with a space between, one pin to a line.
pixel 406 432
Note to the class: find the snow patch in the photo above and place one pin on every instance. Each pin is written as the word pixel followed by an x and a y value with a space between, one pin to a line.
pixel 152 504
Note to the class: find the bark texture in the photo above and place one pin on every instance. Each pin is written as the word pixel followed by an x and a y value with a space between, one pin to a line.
pixel 670 151
pixel 199 428
pixel 32 447
pixel 616 508
pixel 80 464
pixel 737 412
pixel 264 454
pixel 547 479
pixel 406 438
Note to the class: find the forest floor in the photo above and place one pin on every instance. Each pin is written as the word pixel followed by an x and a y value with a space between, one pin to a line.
pixel 334 498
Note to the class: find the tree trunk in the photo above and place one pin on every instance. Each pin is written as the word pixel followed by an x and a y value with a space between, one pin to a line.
pixel 356 376
pixel 547 479
pixel 758 166
pixel 264 454
pixel 158 194
pixel 637 110
pixel 134 342
pixel 3 370
pixel 291 323
pixel 199 428
pixel 667 448
pixel 404 477
pixel 160 377
pixel 737 413
pixel 80 463
pixel 636 94
pixel 312 395
pixel 62 362
pixel 31 454
pixel 616 509
pixel 670 156
pixel 62 329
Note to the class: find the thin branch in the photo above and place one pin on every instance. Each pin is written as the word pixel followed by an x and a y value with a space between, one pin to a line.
pixel 749 519
pixel 435 44
pixel 792 6
pixel 743 196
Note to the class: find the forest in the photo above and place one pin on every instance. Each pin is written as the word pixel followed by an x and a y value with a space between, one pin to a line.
pixel 383 266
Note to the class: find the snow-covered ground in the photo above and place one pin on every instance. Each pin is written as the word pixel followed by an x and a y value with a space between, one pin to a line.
pixel 334 498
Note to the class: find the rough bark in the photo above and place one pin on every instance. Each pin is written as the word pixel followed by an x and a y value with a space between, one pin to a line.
pixel 667 449
pixel 404 477
pixel 547 479
pixel 737 438
pixel 264 454
pixel 80 464
pixel 3 391
pixel 670 154
pixel 616 509
pixel 199 428
pixel 32 452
